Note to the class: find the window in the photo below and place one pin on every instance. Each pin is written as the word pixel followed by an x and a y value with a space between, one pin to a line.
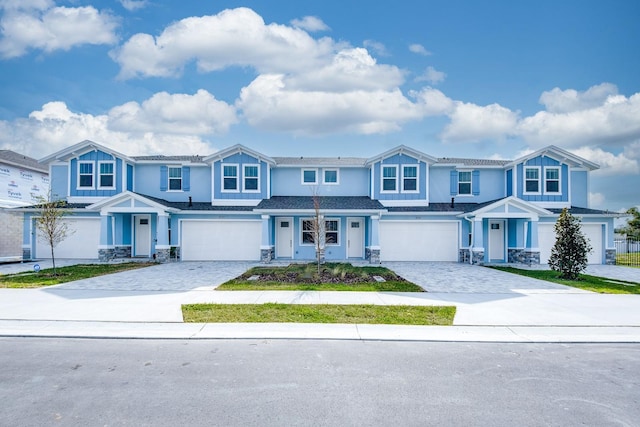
pixel 229 178
pixel 532 180
pixel 106 175
pixel 464 182
pixel 552 180
pixel 251 178
pixel 410 179
pixel 175 178
pixel 330 176
pixel 85 175
pixel 389 179
pixel 331 231
pixel 309 176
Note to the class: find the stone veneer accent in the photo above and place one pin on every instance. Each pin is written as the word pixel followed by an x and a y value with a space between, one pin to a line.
pixel 610 257
pixel 477 257
pixel 26 254
pixel 105 255
pixel 267 255
pixel 464 255
pixel 163 255
pixel 522 256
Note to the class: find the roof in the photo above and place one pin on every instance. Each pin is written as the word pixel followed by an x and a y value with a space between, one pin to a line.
pixel 441 207
pixel 326 203
pixel 402 149
pixel 319 161
pixel 574 210
pixel 79 149
pixel 161 158
pixel 17 159
pixel 472 162
pixel 560 155
pixel 196 206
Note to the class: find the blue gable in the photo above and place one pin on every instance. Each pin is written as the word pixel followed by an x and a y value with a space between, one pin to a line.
pixel 240 176
pixel 400 177
pixel 95 174
pixel 543 179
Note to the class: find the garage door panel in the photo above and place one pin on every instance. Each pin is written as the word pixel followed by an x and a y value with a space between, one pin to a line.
pixel 81 243
pixel 547 238
pixel 419 241
pixel 221 240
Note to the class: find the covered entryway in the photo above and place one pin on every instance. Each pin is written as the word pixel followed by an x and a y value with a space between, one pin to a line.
pixel 81 243
pixel 419 240
pixel 284 237
pixel 497 244
pixel 547 238
pixel 220 240
pixel 142 236
pixel 355 237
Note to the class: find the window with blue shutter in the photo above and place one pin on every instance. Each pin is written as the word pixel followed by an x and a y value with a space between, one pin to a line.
pixel 476 183
pixel 453 183
pixel 186 178
pixel 164 178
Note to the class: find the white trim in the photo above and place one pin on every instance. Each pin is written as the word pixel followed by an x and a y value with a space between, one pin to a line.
pixel 325 170
pixel 169 190
pixel 524 181
pixel 325 219
pixel 222 176
pixel 547 205
pixel 470 172
pixel 93 174
pixel 88 199
pixel 382 178
pixel 416 202
pixel 268 181
pixel 417 178
pixel 553 193
pixel 235 202
pixel 99 175
pixel 303 170
pixel 371 183
pixel 244 177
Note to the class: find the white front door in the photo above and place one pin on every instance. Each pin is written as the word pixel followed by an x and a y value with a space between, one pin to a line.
pixel 496 240
pixel 355 237
pixel 142 233
pixel 284 237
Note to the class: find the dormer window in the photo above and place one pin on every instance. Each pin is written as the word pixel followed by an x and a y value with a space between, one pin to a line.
pixel 389 179
pixel 85 175
pixel 532 180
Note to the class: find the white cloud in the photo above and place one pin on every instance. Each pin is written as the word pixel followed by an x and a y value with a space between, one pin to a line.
pixel 37 25
pixel 376 47
pixel 471 122
pixel 596 200
pixel 171 124
pixel 566 101
pixel 610 164
pixel 310 23
pixel 233 37
pixel 433 102
pixel 132 5
pixel 431 75
pixel 419 49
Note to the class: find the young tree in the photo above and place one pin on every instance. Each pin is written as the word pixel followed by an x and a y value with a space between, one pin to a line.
pixel 318 229
pixel 50 224
pixel 569 253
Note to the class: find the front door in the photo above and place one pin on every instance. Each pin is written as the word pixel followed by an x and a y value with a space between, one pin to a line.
pixel 355 237
pixel 284 237
pixel 496 240
pixel 142 233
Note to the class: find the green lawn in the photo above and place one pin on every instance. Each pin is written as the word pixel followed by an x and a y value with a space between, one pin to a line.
pixel 332 277
pixel 321 313
pixel 31 279
pixel 590 283
pixel 630 260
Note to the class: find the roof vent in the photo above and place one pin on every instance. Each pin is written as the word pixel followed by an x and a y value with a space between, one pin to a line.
pixel 452 201
pixel 190 202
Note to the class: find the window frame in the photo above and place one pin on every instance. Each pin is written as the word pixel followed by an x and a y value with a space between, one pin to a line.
pixel 470 182
pixel 100 174
pixel 80 175
pixel 382 179
pixel 416 178
pixel 524 181
pixel 170 178
pixel 313 243
pixel 324 176
pixel 315 175
pixel 559 180
pixel 236 177
pixel 244 177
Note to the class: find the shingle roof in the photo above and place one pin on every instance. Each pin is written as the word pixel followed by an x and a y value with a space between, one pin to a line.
pixel 442 207
pixel 574 210
pixel 161 158
pixel 319 161
pixel 21 160
pixel 196 206
pixel 472 162
pixel 326 203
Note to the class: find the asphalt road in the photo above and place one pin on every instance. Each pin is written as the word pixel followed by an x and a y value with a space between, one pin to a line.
pixel 68 382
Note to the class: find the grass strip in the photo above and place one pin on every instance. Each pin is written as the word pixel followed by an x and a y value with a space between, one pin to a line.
pixel 319 313
pixel 31 279
pixel 630 260
pixel 587 282
pixel 243 285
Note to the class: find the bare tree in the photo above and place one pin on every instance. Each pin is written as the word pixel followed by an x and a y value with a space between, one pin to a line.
pixel 51 225
pixel 318 230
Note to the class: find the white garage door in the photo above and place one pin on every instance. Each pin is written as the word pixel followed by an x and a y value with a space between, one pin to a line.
pixel 81 243
pixel 221 240
pixel 547 238
pixel 418 241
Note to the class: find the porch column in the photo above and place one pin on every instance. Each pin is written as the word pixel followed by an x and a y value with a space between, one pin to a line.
pixel 106 250
pixel 477 248
pixel 532 254
pixel 373 251
pixel 266 248
pixel 163 249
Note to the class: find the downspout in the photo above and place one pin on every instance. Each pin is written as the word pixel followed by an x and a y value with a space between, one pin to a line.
pixel 470 250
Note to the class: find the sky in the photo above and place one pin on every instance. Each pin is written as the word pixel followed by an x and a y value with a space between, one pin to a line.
pixel 492 79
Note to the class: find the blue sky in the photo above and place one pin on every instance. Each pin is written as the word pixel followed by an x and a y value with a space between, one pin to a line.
pixel 492 79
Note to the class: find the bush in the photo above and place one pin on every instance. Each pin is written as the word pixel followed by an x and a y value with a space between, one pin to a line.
pixel 569 253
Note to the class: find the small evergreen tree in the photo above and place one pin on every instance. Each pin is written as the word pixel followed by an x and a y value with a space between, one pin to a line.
pixel 569 253
pixel 51 227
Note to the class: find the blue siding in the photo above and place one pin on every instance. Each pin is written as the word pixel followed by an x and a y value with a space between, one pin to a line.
pixel 543 161
pixel 95 157
pixel 240 159
pixel 487 184
pixel 148 178
pixel 579 189
pixel 400 160
pixel 352 182
pixel 129 177
pixel 510 182
pixel 59 182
